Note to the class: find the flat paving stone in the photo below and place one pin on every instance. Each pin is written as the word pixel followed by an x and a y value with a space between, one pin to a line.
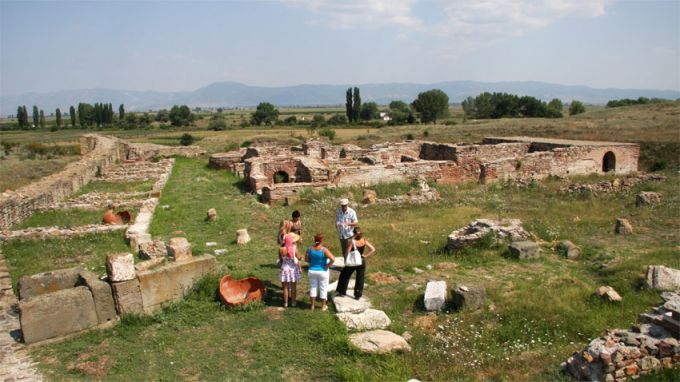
pixel 347 304
pixel 379 341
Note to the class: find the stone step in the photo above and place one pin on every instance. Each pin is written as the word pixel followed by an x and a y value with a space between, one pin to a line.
pixel 347 304
pixel 369 319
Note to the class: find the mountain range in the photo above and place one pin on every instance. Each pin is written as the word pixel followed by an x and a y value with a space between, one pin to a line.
pixel 237 95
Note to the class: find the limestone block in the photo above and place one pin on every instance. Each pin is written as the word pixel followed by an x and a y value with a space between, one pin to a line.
pixel 370 197
pixel 570 250
pixel 623 227
pixel 346 304
pixel 292 200
pixel 379 341
pixel 120 267
pixel 647 198
pixel 242 236
pixel 525 250
pixel 662 278
pixel 47 282
pixel 468 297
pixel 102 296
pixel 57 314
pixel 179 249
pixel 138 239
pixel 608 293
pixel 127 297
pixel 435 295
pixel 171 281
pixel 212 214
pixel 369 319
pixel 153 249
pixel 148 264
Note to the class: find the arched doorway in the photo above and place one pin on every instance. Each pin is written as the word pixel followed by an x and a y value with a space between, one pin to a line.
pixel 281 177
pixel 609 162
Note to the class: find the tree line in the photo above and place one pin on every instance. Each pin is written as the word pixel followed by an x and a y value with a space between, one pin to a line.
pixel 102 115
pixel 629 102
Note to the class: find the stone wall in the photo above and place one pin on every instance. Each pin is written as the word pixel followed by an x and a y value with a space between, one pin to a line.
pixel 495 159
pixel 98 153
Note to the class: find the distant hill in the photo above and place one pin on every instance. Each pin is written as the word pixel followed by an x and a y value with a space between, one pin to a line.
pixel 234 94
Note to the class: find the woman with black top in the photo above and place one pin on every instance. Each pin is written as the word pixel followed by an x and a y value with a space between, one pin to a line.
pixel 360 243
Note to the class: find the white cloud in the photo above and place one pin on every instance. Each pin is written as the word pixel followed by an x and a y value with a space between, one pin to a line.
pixel 467 23
pixel 338 14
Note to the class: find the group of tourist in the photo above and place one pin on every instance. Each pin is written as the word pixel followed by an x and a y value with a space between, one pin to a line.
pixel 320 258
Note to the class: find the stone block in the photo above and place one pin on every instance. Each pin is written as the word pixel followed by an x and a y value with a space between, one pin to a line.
pixel 369 197
pixel 346 304
pixel 242 237
pixel 138 239
pixel 525 250
pixel 647 198
pixel 127 297
pixel 57 314
pixel 608 293
pixel 369 319
pixel 47 282
pixel 171 281
pixel 570 250
pixel 379 342
pixel 153 249
pixel 212 215
pixel 623 227
pixel 662 278
pixel 120 267
pixel 179 249
pixel 435 295
pixel 468 297
pixel 292 200
pixel 148 264
pixel 102 296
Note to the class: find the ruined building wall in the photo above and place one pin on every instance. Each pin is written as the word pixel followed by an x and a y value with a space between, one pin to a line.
pixel 98 153
pixel 563 161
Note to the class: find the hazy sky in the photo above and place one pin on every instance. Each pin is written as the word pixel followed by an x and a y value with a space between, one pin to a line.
pixel 58 45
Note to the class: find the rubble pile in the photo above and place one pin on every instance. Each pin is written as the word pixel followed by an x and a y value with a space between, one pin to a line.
pixel 616 185
pixel 621 354
pixel 502 229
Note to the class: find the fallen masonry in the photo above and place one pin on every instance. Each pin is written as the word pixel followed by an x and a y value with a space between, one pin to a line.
pixel 616 185
pixel 477 229
pixel 280 172
pixel 619 354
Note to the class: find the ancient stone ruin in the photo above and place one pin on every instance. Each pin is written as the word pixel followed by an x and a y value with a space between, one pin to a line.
pixel 277 172
pixel 100 155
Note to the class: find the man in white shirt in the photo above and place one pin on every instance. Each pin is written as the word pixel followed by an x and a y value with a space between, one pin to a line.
pixel 345 221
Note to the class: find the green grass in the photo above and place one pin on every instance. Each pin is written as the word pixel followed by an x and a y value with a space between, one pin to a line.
pixel 28 257
pixel 548 301
pixel 63 218
pixel 113 187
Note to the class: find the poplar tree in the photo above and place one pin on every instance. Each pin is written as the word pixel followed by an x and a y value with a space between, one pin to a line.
pixel 348 105
pixel 72 114
pixel 20 112
pixel 42 118
pixel 36 116
pixel 121 112
pixel 356 106
pixel 58 117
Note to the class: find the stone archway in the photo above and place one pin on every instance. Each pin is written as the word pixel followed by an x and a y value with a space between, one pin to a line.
pixel 281 177
pixel 609 162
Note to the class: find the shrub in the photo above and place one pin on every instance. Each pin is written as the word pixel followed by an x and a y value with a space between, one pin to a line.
pixel 659 165
pixel 217 124
pixel 246 143
pixel 186 139
pixel 327 132
pixel 410 137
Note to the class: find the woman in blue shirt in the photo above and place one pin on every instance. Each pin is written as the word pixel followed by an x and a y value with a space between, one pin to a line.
pixel 319 259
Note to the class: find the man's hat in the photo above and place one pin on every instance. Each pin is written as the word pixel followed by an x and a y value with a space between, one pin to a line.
pixel 344 202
